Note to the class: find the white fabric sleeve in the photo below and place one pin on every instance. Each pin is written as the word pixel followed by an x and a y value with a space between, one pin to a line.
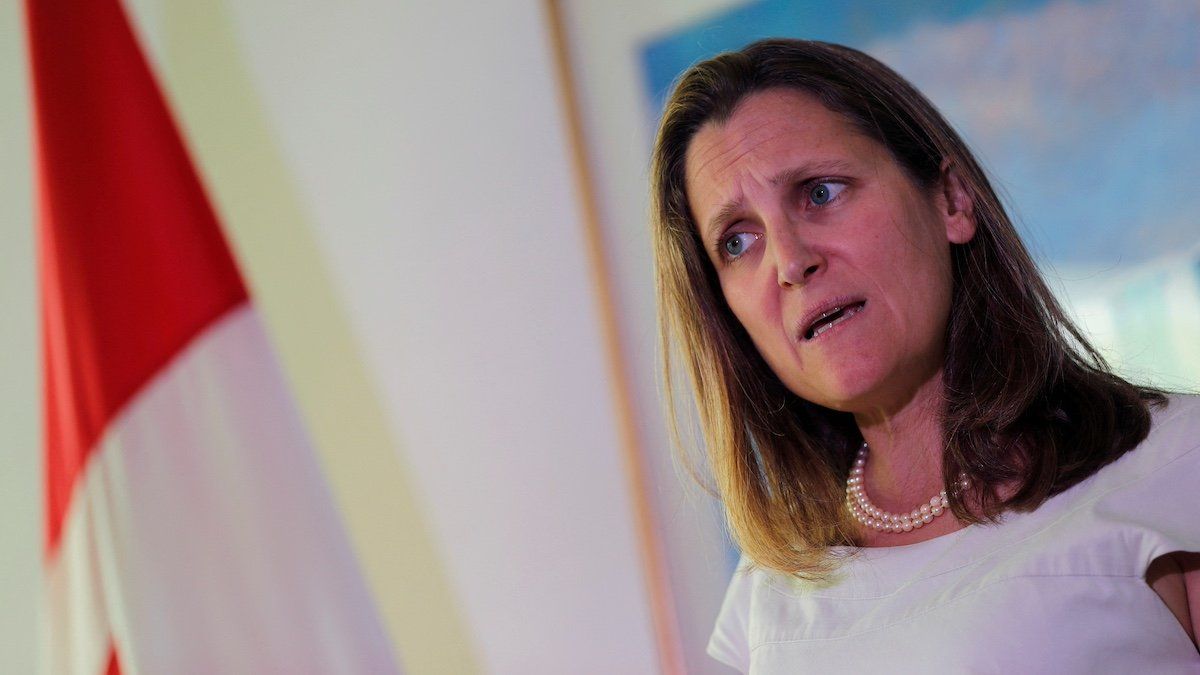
pixel 1161 501
pixel 730 641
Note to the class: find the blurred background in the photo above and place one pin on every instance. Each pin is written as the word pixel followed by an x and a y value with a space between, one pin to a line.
pixel 440 209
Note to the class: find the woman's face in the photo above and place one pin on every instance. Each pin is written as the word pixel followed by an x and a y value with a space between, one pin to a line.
pixel 835 262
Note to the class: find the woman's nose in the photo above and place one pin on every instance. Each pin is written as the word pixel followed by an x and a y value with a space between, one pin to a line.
pixel 795 260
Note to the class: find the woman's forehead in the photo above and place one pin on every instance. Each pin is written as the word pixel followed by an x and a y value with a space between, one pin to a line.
pixel 776 125
pixel 771 119
pixel 774 137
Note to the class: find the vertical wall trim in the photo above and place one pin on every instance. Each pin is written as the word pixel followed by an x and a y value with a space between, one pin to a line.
pixel 655 574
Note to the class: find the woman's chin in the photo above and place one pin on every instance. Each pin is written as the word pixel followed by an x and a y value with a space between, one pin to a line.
pixel 845 389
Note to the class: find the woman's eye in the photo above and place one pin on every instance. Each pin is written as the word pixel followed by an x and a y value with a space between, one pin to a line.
pixel 737 243
pixel 825 192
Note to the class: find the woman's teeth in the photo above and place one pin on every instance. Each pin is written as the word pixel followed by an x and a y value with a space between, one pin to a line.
pixel 834 318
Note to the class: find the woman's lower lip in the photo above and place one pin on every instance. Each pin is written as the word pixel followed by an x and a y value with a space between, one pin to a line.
pixel 847 315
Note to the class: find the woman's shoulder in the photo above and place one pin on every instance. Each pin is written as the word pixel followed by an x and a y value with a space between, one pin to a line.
pixel 1180 410
pixel 1170 445
pixel 1152 489
pixel 730 643
pixel 1174 434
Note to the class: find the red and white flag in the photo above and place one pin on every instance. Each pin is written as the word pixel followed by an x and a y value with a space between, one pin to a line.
pixel 189 526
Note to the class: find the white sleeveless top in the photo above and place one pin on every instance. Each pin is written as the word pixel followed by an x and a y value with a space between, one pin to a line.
pixel 1058 590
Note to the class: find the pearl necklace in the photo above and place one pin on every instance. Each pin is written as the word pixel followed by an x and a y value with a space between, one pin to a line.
pixel 876 518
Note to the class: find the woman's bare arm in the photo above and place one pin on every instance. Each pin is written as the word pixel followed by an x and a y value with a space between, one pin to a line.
pixel 1176 579
pixel 1189 563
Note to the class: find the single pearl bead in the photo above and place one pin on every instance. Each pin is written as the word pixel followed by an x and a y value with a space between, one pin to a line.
pixel 928 518
pixel 907 526
pixel 937 510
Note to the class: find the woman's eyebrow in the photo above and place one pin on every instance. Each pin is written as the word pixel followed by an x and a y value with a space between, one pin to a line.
pixel 809 170
pixel 795 174
pixel 723 215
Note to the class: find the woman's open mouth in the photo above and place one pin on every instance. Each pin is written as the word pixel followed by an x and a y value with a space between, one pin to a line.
pixel 831 318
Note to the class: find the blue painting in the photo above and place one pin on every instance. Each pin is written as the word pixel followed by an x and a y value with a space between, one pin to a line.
pixel 1087 115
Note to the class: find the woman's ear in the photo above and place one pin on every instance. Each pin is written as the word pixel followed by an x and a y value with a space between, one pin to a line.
pixel 956 205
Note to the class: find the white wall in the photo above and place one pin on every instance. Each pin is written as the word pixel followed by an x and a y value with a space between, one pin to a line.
pixel 440 191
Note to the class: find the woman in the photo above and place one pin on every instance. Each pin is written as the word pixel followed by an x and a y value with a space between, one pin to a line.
pixel 924 462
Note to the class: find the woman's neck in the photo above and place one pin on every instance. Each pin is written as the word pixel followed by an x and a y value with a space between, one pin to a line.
pixel 904 466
